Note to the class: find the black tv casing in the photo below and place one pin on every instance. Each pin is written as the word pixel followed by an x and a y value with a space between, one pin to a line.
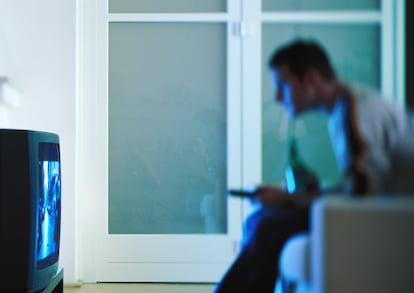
pixel 19 212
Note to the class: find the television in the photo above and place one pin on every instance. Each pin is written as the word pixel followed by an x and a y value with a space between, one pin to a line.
pixel 30 209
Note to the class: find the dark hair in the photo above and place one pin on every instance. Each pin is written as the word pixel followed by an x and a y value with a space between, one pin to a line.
pixel 302 55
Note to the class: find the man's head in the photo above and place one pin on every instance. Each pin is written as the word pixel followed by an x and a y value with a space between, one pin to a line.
pixel 299 71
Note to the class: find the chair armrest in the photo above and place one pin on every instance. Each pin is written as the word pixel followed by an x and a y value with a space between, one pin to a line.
pixel 362 245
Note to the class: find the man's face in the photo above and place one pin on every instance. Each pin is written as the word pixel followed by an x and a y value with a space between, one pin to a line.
pixel 290 92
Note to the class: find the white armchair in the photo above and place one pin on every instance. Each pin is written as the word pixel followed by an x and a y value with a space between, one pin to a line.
pixel 354 245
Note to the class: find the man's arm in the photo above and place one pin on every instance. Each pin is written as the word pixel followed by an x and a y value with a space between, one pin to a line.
pixel 272 195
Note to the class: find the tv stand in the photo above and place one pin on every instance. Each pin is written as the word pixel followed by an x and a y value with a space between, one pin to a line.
pixel 56 284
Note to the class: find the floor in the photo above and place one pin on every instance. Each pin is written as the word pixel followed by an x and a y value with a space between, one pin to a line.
pixel 139 288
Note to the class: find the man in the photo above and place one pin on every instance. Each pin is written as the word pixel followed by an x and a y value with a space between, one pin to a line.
pixel 373 141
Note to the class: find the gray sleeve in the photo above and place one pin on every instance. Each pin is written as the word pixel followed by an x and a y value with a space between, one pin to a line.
pixel 384 129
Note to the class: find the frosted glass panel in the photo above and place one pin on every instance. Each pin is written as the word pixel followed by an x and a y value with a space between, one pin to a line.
pixel 355 54
pixel 280 5
pixel 167 128
pixel 162 6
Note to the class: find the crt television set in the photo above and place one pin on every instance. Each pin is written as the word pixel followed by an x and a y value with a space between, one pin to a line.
pixel 30 209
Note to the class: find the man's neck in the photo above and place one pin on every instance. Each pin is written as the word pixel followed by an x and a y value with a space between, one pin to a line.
pixel 331 92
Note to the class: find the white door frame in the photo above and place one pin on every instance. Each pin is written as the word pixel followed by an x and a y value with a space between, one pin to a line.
pixel 96 249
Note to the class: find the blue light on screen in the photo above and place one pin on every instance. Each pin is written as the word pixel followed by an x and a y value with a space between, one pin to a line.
pixel 48 234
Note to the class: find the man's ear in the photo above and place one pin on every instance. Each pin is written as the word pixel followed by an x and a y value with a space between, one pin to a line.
pixel 311 83
pixel 313 77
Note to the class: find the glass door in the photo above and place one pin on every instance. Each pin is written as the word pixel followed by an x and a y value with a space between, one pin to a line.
pixel 171 143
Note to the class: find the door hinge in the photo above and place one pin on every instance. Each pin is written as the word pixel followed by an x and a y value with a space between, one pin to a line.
pixel 243 29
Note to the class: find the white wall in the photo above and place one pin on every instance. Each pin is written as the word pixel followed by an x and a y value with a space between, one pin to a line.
pixel 37 54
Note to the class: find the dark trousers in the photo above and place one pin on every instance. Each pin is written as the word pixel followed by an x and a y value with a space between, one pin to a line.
pixel 266 231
